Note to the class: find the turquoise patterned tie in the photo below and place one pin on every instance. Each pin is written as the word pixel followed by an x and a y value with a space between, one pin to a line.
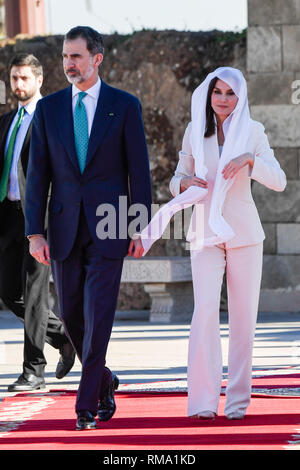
pixel 81 132
pixel 9 156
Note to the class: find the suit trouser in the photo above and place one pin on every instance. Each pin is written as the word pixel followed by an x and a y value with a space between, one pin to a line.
pixel 243 272
pixel 87 284
pixel 24 288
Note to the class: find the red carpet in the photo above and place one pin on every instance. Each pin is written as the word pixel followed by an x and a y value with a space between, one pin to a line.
pixel 156 421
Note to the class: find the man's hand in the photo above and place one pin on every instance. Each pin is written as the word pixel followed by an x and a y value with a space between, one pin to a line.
pixel 136 248
pixel 39 249
pixel 235 165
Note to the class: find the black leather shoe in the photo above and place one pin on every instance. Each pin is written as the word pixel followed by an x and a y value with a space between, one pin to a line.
pixel 26 384
pixel 107 405
pixel 85 420
pixel 66 360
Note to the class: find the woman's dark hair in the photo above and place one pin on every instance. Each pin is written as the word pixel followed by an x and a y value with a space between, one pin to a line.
pixel 210 127
pixel 94 40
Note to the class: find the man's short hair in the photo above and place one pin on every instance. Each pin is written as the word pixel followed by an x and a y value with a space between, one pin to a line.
pixel 24 58
pixel 94 40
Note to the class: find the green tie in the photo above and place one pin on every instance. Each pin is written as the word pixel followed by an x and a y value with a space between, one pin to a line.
pixel 9 156
pixel 81 132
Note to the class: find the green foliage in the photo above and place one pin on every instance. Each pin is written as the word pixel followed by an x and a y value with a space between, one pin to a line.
pixel 230 36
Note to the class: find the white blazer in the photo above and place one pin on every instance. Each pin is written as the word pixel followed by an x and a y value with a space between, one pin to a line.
pixel 239 209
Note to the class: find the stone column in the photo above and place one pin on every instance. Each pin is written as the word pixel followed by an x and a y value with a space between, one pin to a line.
pixel 273 69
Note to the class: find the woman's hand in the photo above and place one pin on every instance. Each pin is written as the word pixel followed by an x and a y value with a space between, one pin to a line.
pixel 188 181
pixel 235 165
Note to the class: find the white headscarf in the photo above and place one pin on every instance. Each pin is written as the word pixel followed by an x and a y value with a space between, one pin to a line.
pixel 234 145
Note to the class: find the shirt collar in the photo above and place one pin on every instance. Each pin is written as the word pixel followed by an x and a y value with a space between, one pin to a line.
pixel 93 91
pixel 30 107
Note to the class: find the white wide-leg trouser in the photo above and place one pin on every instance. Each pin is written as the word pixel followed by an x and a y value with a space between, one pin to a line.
pixel 243 271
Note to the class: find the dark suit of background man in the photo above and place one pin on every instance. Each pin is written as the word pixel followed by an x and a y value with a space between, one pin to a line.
pixel 87 141
pixel 23 281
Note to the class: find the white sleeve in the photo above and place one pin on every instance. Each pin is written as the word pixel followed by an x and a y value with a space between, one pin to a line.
pixel 266 169
pixel 186 164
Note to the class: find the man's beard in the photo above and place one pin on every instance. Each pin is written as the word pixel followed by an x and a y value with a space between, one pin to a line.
pixel 79 78
pixel 25 96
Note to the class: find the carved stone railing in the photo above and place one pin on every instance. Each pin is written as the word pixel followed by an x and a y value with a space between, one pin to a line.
pixel 168 281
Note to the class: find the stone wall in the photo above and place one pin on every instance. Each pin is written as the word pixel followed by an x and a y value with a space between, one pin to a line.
pixel 162 68
pixel 273 66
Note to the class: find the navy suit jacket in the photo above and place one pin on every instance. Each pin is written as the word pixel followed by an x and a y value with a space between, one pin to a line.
pixel 12 231
pixel 5 123
pixel 117 165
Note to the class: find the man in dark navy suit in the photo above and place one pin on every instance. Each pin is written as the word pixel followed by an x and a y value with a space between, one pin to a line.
pixel 88 143
pixel 24 283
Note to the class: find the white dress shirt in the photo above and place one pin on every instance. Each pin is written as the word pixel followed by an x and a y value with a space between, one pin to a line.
pixel 90 101
pixel 13 192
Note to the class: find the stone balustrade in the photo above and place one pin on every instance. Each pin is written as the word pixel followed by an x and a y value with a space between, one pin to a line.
pixel 168 281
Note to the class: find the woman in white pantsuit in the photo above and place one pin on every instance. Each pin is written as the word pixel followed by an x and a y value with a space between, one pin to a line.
pixel 222 150
pixel 240 256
